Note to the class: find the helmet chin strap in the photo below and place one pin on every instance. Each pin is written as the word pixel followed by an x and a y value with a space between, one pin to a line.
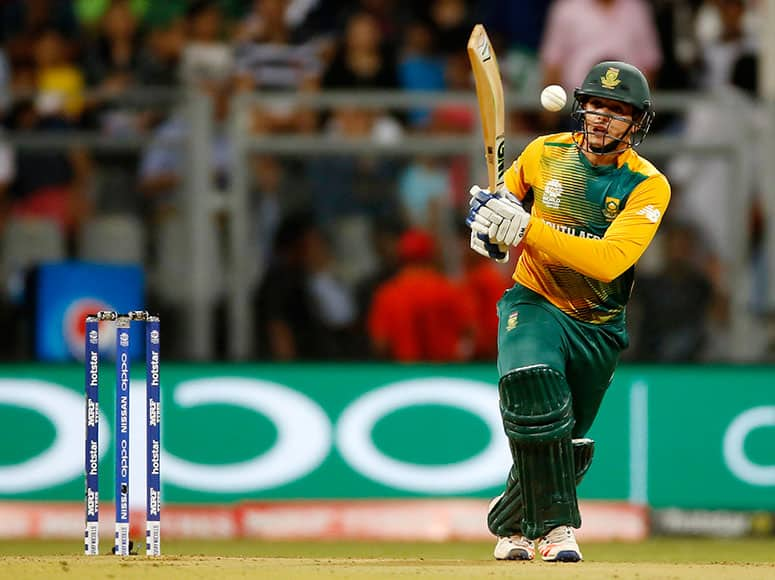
pixel 605 149
pixel 609 147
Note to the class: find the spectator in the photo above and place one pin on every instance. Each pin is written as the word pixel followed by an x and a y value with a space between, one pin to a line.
pixel 361 60
pixel 163 164
pixel 384 239
pixel 23 20
pixel 310 18
pixel 672 305
pixel 723 39
pixel 269 186
pixel 51 183
pixel 450 25
pixel 25 23
pixel 57 73
pixel 419 314
pixel 392 17
pixel 159 61
pixel 456 119
pixel 206 58
pixel 302 312
pixel 424 191
pixel 206 67
pixel 347 185
pixel 112 57
pixel 704 181
pixel 272 59
pixel 420 69
pixel 515 25
pixel 484 282
pixel 459 119
pixel 580 33
pixel 111 65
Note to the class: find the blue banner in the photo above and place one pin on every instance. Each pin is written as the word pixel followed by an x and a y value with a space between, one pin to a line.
pixel 65 292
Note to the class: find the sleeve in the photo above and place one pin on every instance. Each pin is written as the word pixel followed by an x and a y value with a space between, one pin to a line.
pixel 518 177
pixel 308 61
pixel 246 59
pixel 624 242
pixel 163 154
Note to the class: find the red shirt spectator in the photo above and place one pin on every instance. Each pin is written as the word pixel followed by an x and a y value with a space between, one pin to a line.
pixel 485 283
pixel 419 314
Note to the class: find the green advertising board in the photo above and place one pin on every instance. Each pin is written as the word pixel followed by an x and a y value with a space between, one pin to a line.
pixel 694 437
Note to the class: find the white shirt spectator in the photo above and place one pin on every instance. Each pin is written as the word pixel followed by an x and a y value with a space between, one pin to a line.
pixel 278 66
pixel 581 33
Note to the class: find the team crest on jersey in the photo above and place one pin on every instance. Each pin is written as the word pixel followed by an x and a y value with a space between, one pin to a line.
pixel 552 194
pixel 611 78
pixel 611 208
pixel 512 321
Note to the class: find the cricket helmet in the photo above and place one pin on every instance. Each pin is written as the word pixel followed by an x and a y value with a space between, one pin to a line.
pixel 618 81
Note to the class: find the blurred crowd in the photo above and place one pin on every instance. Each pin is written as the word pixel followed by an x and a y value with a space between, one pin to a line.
pixel 362 257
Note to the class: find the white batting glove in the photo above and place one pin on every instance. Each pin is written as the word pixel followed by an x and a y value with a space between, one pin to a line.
pixel 499 216
pixel 481 245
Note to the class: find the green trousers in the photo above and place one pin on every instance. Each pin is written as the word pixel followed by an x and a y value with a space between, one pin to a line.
pixel 533 331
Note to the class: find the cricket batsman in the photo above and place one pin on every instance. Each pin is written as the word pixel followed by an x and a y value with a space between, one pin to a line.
pixel 582 206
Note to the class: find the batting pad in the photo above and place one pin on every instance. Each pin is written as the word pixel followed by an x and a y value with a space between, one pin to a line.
pixel 538 419
pixel 504 517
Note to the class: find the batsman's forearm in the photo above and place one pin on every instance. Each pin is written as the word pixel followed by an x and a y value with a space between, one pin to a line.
pixel 602 259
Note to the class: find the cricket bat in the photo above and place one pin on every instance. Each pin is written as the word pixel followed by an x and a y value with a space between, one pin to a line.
pixel 489 93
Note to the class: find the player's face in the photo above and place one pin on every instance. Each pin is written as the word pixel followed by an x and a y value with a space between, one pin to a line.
pixel 607 121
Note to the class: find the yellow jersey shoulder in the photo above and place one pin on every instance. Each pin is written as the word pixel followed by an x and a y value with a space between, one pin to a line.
pixel 522 171
pixel 655 179
pixel 562 139
pixel 638 164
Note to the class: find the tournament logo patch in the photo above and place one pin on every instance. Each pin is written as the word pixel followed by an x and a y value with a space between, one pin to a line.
pixel 552 194
pixel 512 321
pixel 611 78
pixel 611 208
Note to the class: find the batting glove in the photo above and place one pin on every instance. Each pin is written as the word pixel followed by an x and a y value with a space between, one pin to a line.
pixel 482 245
pixel 499 216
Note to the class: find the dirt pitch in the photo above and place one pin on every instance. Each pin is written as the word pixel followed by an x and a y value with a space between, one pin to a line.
pixel 662 559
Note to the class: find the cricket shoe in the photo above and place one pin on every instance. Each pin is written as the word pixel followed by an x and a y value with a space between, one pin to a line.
pixel 514 548
pixel 559 545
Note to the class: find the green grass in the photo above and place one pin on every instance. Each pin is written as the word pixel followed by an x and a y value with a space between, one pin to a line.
pixel 703 559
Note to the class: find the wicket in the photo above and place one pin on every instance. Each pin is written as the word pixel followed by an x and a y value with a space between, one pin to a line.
pixel 121 428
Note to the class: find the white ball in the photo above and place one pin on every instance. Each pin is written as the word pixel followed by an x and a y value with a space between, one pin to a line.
pixel 553 98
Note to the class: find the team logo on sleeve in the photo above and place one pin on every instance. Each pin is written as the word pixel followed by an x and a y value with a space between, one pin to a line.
pixel 652 214
pixel 512 321
pixel 552 194
pixel 611 208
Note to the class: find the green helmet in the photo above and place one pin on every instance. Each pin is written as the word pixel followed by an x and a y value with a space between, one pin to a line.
pixel 619 81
